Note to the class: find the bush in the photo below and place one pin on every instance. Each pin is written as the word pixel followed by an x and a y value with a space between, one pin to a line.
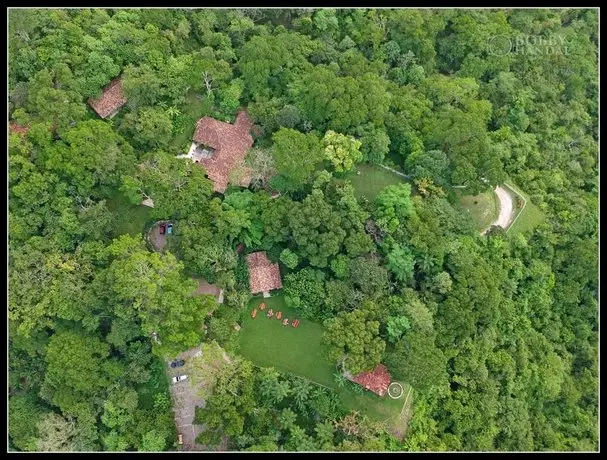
pixel 289 258
pixel 242 274
pixel 326 403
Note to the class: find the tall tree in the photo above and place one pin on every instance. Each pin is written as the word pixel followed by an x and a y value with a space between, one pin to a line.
pixel 353 339
pixel 150 288
pixel 296 156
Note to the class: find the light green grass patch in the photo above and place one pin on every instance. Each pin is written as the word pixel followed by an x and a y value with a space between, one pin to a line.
pixel 129 218
pixel 267 343
pixel 530 217
pixel 184 124
pixel 371 180
pixel 482 208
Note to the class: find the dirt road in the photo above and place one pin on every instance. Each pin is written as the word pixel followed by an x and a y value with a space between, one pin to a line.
pixel 507 210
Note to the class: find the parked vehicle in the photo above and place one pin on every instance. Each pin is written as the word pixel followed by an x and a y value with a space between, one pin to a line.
pixel 180 439
pixel 179 378
pixel 170 229
pixel 163 229
pixel 177 363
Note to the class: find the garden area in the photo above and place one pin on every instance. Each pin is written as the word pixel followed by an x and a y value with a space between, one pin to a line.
pixel 482 208
pixel 530 217
pixel 369 180
pixel 129 218
pixel 267 343
pixel 196 106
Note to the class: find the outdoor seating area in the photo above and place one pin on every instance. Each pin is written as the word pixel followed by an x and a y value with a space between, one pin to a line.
pixel 272 314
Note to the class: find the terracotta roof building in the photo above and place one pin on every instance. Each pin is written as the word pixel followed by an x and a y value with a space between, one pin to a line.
pixel 229 144
pixel 17 128
pixel 108 104
pixel 378 380
pixel 264 276
pixel 204 287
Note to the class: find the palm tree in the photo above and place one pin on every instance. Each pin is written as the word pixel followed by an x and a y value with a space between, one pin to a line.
pixel 426 263
pixel 173 111
pixel 324 432
pixel 287 419
pixel 272 389
pixel 301 392
pixel 340 379
pixel 281 391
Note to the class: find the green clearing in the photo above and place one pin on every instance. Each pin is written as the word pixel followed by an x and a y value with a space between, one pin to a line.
pixel 371 180
pixel 482 208
pixel 128 218
pixel 157 383
pixel 267 343
pixel 529 218
pixel 195 107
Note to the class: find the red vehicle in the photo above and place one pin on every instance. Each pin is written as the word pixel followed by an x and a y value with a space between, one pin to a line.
pixel 163 229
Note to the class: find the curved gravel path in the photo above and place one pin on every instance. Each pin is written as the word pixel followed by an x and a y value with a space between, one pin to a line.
pixel 506 214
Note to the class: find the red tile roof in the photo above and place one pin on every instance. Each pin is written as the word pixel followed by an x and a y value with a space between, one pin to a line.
pixel 231 143
pixel 110 101
pixel 264 276
pixel 376 381
pixel 17 128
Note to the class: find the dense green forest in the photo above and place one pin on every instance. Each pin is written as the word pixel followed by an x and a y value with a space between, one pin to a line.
pixel 497 334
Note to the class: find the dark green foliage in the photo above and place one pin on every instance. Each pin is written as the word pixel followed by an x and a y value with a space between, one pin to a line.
pixel 416 360
pixel 497 334
pixel 304 291
pixel 25 411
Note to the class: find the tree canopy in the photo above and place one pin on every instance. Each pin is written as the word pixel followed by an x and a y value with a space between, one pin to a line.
pixel 371 128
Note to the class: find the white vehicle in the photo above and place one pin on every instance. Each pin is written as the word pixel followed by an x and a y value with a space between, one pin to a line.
pixel 179 378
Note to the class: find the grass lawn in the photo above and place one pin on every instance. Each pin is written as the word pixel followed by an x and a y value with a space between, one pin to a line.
pixel 129 219
pixel 483 208
pixel 267 343
pixel 372 180
pixel 158 383
pixel 196 107
pixel 530 218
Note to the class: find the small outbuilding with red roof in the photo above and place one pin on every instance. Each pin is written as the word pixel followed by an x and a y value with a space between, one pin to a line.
pixel 264 276
pixel 378 380
pixel 110 102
